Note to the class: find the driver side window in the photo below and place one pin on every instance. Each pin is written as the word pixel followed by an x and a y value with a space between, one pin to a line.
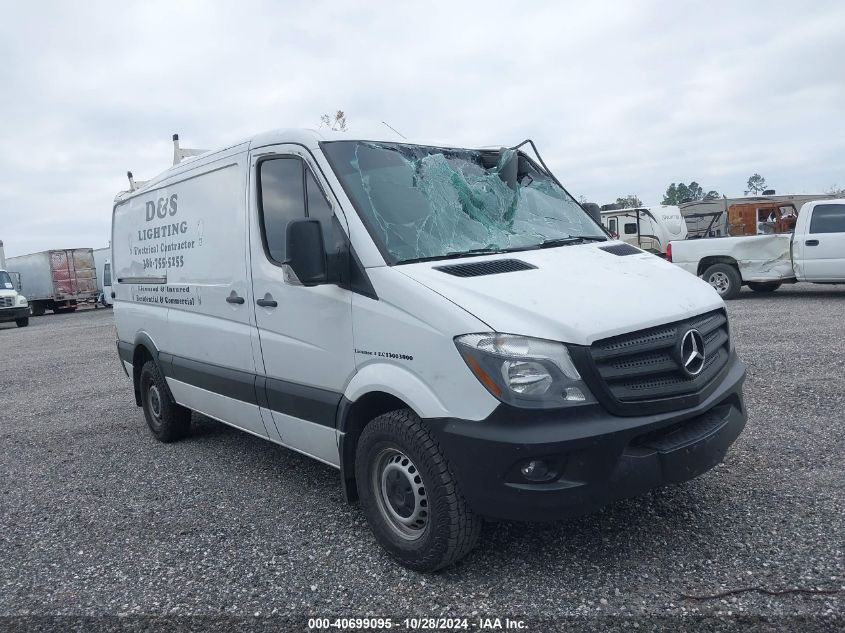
pixel 282 199
pixel 288 191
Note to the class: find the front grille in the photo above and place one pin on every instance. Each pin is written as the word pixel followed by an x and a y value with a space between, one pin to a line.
pixel 646 365
pixel 7 302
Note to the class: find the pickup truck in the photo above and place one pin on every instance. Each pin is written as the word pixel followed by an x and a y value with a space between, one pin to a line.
pixel 815 253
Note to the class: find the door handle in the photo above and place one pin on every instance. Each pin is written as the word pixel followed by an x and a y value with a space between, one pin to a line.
pixel 233 298
pixel 812 242
pixel 267 302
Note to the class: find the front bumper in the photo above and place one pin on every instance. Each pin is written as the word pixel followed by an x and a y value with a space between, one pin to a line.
pixel 10 314
pixel 598 457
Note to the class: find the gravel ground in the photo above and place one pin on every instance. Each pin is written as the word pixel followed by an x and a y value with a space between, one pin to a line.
pixel 97 518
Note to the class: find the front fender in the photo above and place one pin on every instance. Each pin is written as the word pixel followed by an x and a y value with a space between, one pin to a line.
pixel 399 382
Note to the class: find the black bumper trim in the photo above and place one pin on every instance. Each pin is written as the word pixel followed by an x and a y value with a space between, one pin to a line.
pixel 599 457
pixel 12 314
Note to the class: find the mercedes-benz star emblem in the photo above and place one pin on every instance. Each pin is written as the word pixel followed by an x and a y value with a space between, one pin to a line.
pixel 692 352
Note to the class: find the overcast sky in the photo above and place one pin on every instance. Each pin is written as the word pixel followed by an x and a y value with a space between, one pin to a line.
pixel 621 98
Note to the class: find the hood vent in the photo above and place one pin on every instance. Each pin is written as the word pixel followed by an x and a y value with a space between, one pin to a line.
pixel 621 249
pixel 492 267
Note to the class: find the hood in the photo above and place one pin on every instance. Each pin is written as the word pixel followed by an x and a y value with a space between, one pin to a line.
pixel 576 294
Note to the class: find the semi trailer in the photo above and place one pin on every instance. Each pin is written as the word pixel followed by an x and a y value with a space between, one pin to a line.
pixel 56 280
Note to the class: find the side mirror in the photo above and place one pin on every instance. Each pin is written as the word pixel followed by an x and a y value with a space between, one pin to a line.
pixel 306 251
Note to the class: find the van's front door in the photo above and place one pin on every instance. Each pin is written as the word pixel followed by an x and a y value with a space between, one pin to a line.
pixel 305 332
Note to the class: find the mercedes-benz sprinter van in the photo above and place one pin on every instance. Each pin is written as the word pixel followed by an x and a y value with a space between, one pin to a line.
pixel 446 327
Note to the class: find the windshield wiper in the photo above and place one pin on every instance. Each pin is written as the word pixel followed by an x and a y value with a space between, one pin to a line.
pixel 477 251
pixel 486 250
pixel 494 250
pixel 572 239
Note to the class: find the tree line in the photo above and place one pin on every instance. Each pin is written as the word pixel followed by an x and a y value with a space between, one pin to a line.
pixel 677 193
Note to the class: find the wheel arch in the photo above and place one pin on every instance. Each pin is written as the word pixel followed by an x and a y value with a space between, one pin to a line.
pixel 144 349
pixel 352 418
pixel 708 261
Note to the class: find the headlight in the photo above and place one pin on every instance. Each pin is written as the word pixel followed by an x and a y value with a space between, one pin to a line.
pixel 21 300
pixel 523 371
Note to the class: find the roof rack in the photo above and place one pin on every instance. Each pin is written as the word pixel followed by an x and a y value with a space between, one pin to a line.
pixel 180 153
pixel 135 184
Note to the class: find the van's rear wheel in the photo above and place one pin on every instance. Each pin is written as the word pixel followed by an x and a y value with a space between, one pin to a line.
pixel 764 286
pixel 167 420
pixel 408 495
pixel 725 280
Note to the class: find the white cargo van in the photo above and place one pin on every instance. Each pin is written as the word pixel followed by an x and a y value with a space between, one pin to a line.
pixel 447 327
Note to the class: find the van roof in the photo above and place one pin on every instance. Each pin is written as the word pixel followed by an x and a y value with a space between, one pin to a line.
pixel 309 138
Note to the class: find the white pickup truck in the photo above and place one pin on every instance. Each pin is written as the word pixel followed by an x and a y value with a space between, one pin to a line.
pixel 815 252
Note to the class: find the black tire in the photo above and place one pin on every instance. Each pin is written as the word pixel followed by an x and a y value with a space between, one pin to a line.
pixel 398 458
pixel 22 322
pixel 38 309
pixel 764 286
pixel 725 280
pixel 167 420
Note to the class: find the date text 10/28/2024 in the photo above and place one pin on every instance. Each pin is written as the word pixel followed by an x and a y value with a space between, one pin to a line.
pixel 417 624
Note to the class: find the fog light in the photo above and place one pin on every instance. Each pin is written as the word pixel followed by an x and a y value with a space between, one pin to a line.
pixel 574 394
pixel 536 470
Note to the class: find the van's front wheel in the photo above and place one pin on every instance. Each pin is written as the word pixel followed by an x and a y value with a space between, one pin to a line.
pixel 167 420
pixel 408 495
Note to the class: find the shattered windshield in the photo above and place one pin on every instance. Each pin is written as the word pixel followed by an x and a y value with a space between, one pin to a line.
pixel 424 202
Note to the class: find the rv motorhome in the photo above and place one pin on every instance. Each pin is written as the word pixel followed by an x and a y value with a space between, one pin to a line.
pixel 648 228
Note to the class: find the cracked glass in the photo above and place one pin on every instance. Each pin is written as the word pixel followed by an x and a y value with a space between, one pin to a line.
pixel 421 202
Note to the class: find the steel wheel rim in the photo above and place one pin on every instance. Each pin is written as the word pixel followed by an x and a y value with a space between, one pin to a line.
pixel 720 282
pixel 154 401
pixel 400 494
